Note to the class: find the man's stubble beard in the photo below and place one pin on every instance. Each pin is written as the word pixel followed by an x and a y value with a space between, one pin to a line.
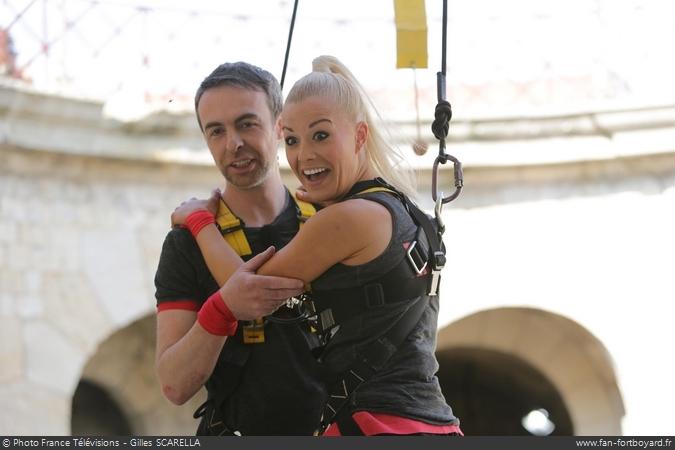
pixel 251 181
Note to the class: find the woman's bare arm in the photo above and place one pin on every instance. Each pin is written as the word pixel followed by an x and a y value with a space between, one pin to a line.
pixel 351 232
pixel 220 258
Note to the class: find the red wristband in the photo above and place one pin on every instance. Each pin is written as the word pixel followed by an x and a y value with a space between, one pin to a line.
pixel 198 220
pixel 216 318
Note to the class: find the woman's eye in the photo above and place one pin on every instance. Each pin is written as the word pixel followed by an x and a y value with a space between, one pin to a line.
pixel 290 140
pixel 320 136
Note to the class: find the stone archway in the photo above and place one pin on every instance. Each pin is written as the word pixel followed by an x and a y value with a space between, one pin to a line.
pixel 95 413
pixel 565 354
pixel 122 369
pixel 493 392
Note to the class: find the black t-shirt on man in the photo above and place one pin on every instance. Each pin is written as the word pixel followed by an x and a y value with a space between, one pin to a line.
pixel 278 389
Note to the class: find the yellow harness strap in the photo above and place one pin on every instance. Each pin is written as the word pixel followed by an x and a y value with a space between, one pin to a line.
pixel 376 189
pixel 306 209
pixel 233 232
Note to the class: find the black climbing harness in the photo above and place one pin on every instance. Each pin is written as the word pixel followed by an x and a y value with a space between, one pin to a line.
pixel 412 282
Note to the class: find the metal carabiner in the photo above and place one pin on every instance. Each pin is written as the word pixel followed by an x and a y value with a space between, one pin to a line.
pixel 294 304
pixel 458 174
pixel 437 212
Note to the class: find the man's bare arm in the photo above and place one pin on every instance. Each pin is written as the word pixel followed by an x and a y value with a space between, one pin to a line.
pixel 186 353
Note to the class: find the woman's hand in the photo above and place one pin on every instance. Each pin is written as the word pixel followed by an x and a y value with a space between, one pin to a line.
pixel 194 204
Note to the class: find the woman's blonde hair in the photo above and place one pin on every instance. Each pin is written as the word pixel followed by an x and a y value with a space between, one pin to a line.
pixel 330 78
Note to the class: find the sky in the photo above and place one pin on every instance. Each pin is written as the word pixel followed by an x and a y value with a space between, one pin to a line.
pixel 504 58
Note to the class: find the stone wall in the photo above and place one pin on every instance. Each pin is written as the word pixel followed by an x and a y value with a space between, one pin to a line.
pixel 79 242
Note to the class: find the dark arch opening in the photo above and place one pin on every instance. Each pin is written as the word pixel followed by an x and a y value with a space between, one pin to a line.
pixel 491 392
pixel 95 413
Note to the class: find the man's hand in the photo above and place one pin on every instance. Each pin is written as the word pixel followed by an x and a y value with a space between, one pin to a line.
pixel 194 204
pixel 302 194
pixel 250 296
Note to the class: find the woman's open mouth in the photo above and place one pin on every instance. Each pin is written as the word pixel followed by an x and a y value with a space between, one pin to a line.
pixel 315 174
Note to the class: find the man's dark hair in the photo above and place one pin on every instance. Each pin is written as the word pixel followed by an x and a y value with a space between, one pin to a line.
pixel 246 76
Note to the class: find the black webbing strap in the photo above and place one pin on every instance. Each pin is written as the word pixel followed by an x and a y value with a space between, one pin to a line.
pixel 369 361
pixel 212 423
pixel 419 217
pixel 436 250
pixel 347 424
pixel 398 285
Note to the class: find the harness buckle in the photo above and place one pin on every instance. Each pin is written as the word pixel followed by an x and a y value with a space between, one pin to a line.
pixel 326 320
pixel 412 261
pixel 438 263
pixel 374 295
pixel 292 302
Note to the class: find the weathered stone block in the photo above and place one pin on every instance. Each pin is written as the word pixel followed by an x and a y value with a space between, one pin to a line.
pixel 11 349
pixel 31 409
pixel 70 306
pixel 51 360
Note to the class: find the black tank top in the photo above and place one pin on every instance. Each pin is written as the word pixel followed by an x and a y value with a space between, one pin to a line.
pixel 407 385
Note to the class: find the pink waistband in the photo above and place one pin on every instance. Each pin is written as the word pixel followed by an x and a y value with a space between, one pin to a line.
pixel 374 423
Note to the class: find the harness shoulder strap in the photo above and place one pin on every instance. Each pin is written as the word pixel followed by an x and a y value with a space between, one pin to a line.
pixel 376 189
pixel 304 210
pixel 436 257
pixel 231 229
